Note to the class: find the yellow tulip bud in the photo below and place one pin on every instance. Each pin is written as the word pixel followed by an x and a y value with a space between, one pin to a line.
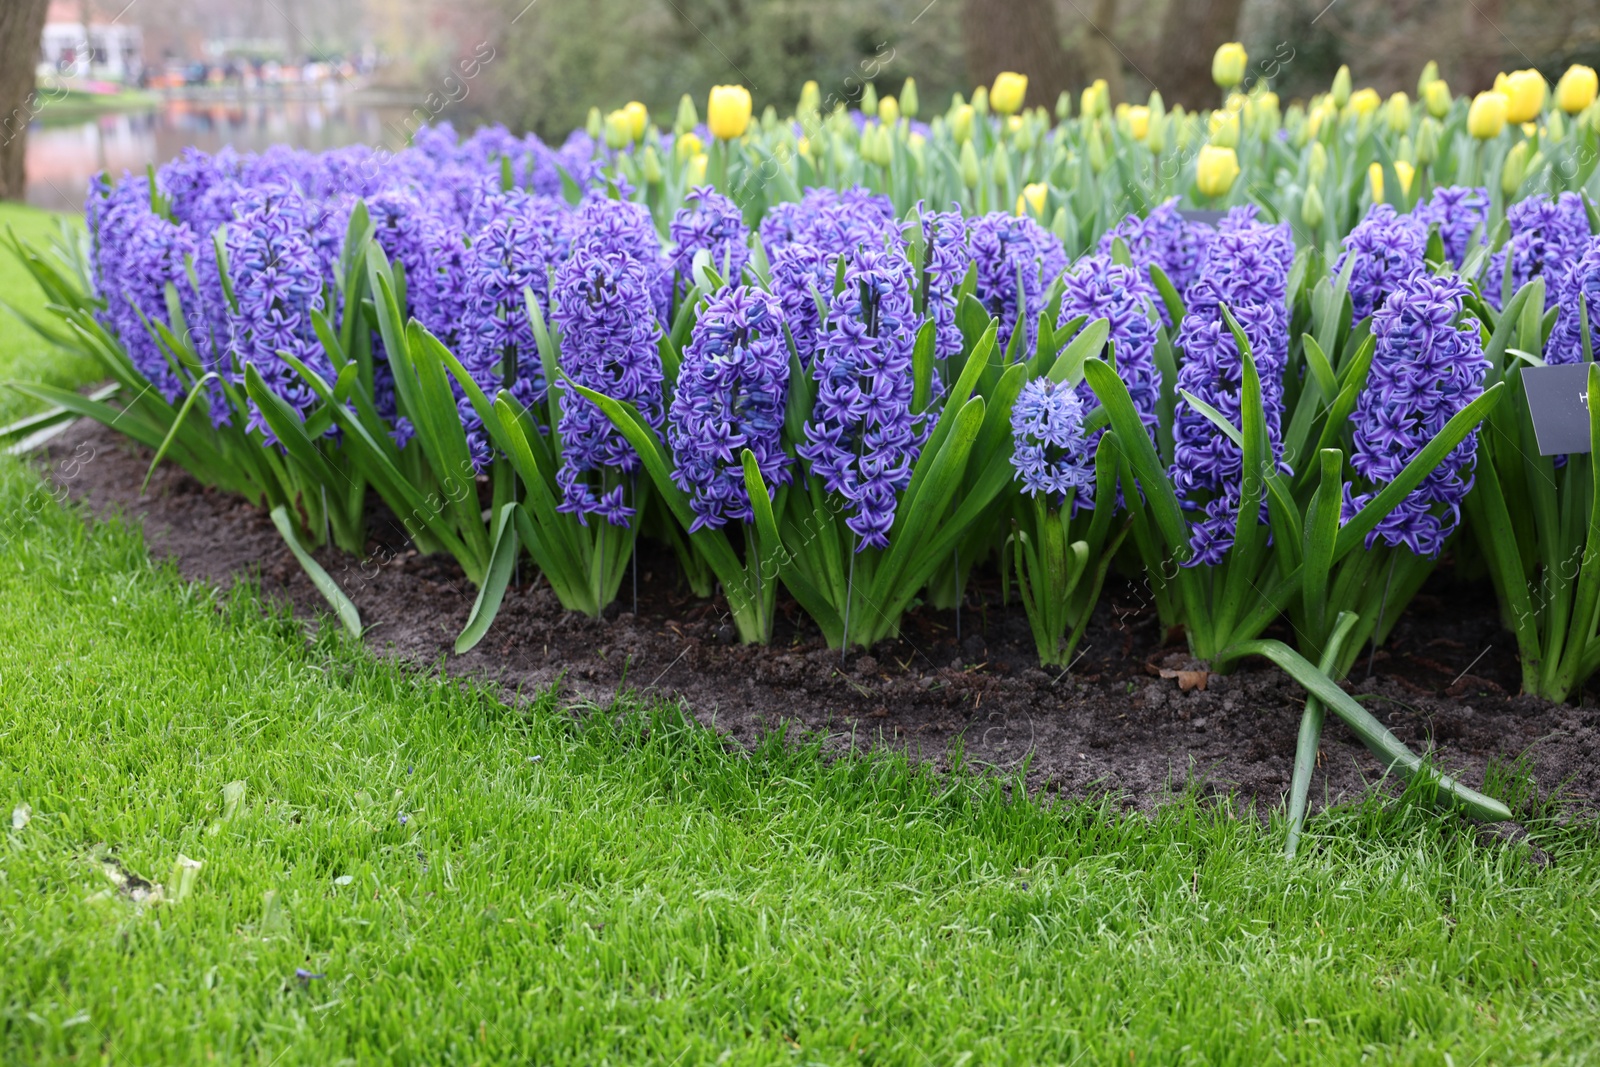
pixel 1399 112
pixel 1311 210
pixel 728 111
pixel 688 118
pixel 1227 66
pixel 1316 163
pixel 1430 74
pixel 1375 181
pixel 969 166
pixel 1138 119
pixel 1099 154
pixel 1428 131
pixel 595 125
pixel 1096 99
pixel 1487 116
pixel 909 103
pixel 695 173
pixel 803 147
pixel 1364 101
pixel 619 129
pixel 869 100
pixel 1577 88
pixel 1063 106
pixel 810 101
pixel 1216 168
pixel 1436 98
pixel 1340 91
pixel 650 167
pixel 1557 126
pixel 1034 195
pixel 980 100
pixel 1008 92
pixel 1524 92
pixel 1405 172
pixel 888 111
pixel 638 115
pixel 1224 128
pixel 1021 132
pixel 687 147
pixel 961 124
pixel 1515 168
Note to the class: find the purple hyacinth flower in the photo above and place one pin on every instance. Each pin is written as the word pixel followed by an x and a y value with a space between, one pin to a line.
pixel 732 388
pixel 1163 238
pixel 1578 286
pixel 1459 211
pixel 1426 368
pixel 803 275
pixel 1385 248
pixel 862 438
pixel 603 306
pixel 141 253
pixel 277 280
pixel 945 265
pixel 1546 235
pixel 712 223
pixel 1012 251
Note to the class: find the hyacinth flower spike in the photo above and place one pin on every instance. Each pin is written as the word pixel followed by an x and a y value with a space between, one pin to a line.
pixel 1537 518
pixel 1226 604
pixel 1065 490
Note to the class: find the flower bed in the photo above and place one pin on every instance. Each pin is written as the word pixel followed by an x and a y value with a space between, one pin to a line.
pixel 801 377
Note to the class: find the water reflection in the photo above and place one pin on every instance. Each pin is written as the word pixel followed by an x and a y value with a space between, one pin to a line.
pixel 62 156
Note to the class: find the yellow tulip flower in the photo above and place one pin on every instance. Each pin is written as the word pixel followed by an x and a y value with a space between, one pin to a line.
pixel 1138 118
pixel 1008 92
pixel 889 111
pixel 1216 168
pixel 1227 66
pixel 1577 88
pixel 1487 116
pixel 728 111
pixel 1034 195
pixel 1364 101
pixel 696 173
pixel 687 147
pixel 1224 128
pixel 1524 91
pixel 961 124
pixel 638 117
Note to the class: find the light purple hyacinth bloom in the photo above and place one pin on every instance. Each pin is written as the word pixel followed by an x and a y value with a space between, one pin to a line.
pixel 1426 368
pixel 603 306
pixel 711 223
pixel 1546 235
pixel 731 392
pixel 837 221
pixel 277 282
pixel 1012 251
pixel 1384 249
pixel 1050 454
pixel 1246 269
pixel 1458 210
pixel 862 438
pixel 803 275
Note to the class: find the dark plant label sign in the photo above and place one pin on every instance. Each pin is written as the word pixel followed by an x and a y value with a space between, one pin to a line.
pixel 1558 399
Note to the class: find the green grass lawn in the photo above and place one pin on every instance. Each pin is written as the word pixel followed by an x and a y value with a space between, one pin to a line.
pixel 410 870
pixel 23 353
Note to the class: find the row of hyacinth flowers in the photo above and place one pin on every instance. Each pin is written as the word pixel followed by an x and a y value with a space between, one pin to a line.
pixel 470 249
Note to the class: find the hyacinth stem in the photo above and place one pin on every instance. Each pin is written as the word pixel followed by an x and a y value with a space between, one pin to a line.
pixel 1305 755
pixel 849 595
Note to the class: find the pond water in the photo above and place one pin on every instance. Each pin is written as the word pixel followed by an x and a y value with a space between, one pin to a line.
pixel 62 156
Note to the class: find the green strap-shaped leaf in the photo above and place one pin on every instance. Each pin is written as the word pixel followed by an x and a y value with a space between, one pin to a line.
pixel 1090 341
pixel 177 424
pixel 1321 531
pixel 493 590
pixel 1141 455
pixel 341 604
pixel 1389 749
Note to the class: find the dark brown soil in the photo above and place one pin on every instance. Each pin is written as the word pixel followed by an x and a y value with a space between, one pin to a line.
pixel 1110 725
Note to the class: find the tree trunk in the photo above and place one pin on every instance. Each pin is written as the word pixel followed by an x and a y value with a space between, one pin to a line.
pixel 1019 35
pixel 1102 57
pixel 21 26
pixel 1193 30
